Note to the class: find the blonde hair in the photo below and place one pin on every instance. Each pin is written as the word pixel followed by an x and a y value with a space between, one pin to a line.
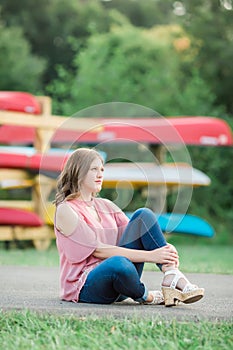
pixel 71 178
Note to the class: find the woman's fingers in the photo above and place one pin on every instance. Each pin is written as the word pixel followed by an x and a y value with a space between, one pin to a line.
pixel 173 256
pixel 166 255
pixel 172 252
pixel 172 247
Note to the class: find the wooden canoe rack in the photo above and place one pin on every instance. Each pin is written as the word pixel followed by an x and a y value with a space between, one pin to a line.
pixel 41 235
pixel 45 125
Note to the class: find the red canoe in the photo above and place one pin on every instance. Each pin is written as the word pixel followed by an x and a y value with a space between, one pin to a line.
pixel 50 162
pixel 12 216
pixel 19 102
pixel 187 130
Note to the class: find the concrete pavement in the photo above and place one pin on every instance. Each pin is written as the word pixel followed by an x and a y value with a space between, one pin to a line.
pixel 37 289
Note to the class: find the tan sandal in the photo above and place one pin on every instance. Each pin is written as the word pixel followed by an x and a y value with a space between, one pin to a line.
pixel 173 295
pixel 158 298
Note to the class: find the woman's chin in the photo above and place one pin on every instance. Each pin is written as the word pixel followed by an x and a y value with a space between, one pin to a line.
pixel 96 191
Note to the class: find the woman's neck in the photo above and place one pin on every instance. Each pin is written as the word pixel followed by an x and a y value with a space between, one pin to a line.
pixel 86 197
pixel 88 201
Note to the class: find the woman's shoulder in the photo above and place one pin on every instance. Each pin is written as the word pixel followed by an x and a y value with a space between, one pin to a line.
pixel 65 206
pixel 66 218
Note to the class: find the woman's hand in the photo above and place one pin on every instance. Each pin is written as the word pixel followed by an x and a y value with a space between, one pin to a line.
pixel 178 262
pixel 166 255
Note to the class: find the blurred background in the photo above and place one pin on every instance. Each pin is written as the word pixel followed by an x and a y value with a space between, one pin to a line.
pixel 172 56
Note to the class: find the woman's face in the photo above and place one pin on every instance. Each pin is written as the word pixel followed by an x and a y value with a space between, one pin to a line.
pixel 93 180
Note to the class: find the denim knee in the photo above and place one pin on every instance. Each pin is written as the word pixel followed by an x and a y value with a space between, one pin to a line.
pixel 143 212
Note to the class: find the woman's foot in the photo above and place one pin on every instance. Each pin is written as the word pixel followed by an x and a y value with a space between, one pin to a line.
pixel 169 277
pixel 176 287
pixel 155 297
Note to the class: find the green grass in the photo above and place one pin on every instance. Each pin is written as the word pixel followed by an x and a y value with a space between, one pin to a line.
pixel 29 257
pixel 29 330
pixel 193 258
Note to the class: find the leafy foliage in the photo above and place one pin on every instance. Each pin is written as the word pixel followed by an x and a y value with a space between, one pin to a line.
pixel 51 24
pixel 144 13
pixel 134 65
pixel 210 23
pixel 214 201
pixel 19 68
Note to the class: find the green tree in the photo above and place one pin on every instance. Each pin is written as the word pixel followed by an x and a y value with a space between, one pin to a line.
pixel 214 202
pixel 147 13
pixel 19 68
pixel 49 26
pixel 145 67
pixel 210 24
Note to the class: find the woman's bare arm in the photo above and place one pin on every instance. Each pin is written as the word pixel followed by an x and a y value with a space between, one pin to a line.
pixel 164 255
pixel 66 219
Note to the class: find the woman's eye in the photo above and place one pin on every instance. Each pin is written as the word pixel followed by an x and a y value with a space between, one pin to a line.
pixel 96 169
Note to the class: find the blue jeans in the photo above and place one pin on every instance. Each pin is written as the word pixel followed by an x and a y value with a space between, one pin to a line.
pixel 116 278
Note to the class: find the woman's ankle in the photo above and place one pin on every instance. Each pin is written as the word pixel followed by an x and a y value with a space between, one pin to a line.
pixel 149 298
pixel 168 268
pixel 168 279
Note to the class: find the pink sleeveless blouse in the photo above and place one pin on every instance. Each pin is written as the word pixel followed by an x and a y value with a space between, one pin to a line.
pixel 76 250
